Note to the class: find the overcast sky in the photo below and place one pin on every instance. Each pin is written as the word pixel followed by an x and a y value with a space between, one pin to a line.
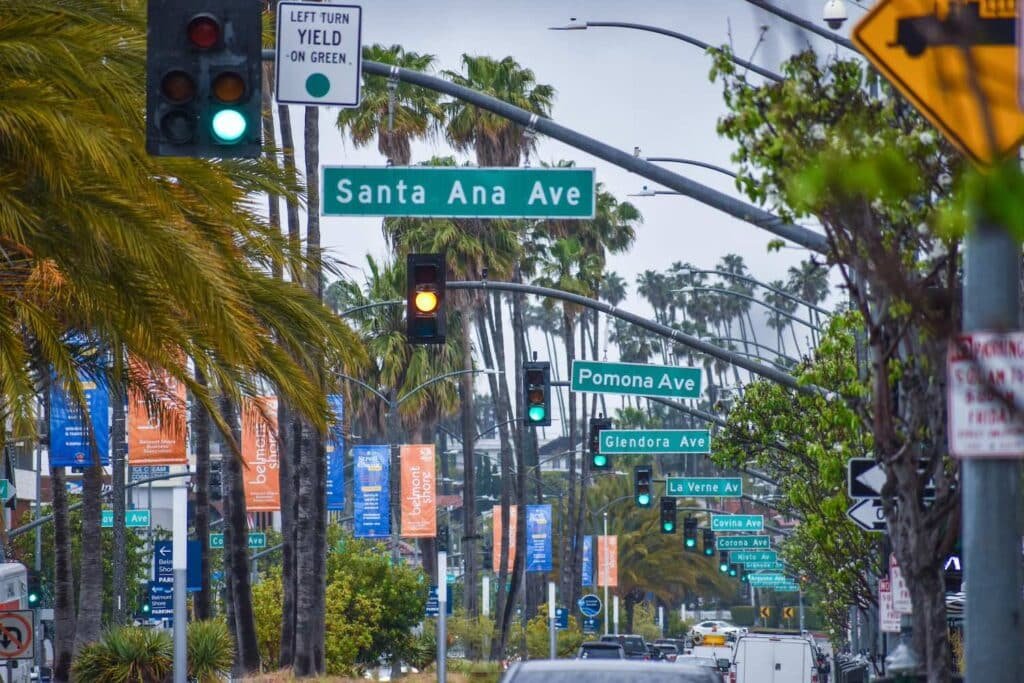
pixel 624 87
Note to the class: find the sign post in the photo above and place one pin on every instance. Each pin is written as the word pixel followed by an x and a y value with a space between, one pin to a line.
pixel 442 619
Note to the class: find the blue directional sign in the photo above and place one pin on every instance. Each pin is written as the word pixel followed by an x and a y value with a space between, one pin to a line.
pixel 561 618
pixel 161 601
pixel 434 605
pixel 163 562
pixel 591 624
pixel 590 605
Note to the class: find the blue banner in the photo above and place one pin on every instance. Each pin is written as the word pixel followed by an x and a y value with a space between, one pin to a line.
pixel 69 435
pixel 588 561
pixel 335 448
pixel 372 503
pixel 538 538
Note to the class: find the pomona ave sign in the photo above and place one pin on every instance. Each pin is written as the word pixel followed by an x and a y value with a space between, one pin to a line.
pixel 458 192
pixel 637 379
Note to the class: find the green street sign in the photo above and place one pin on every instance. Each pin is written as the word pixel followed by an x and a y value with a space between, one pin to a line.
pixel 737 522
pixel 760 566
pixel 637 379
pixel 133 519
pixel 743 542
pixel 784 588
pixel 704 487
pixel 6 490
pixel 257 539
pixel 458 192
pixel 745 556
pixel 766 579
pixel 644 441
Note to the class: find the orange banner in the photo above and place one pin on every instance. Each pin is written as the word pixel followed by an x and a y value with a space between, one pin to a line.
pixel 496 551
pixel 156 432
pixel 259 455
pixel 419 492
pixel 608 561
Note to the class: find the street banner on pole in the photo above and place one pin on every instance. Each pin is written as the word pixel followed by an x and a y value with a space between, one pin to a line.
pixel 608 561
pixel 986 372
pixel 538 538
pixel 259 453
pixel 70 443
pixel 496 539
pixel 335 453
pixel 372 497
pixel 156 436
pixel 419 491
pixel 588 561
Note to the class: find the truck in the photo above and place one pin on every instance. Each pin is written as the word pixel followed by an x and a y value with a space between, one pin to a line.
pixel 956 22
pixel 773 658
pixel 14 597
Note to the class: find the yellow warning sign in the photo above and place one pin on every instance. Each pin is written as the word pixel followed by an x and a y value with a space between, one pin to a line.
pixel 766 612
pixel 788 612
pixel 957 62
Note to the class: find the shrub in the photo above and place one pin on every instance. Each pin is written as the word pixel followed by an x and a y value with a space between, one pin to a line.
pixel 129 654
pixel 211 651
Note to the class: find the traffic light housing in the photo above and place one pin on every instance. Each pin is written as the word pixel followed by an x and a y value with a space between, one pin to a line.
pixel 709 543
pixel 690 534
pixel 204 67
pixel 734 570
pixel 598 460
pixel 642 486
pixel 34 592
pixel 424 298
pixel 537 393
pixel 723 561
pixel 668 515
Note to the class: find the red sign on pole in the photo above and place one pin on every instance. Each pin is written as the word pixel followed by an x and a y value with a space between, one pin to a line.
pixel 986 380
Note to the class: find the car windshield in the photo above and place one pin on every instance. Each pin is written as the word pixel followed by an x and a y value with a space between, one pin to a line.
pixel 592 652
pixel 568 676
pixel 698 661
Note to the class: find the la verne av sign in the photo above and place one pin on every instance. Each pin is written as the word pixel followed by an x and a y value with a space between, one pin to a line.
pixel 641 441
pixel 458 192
pixel 637 379
pixel 706 487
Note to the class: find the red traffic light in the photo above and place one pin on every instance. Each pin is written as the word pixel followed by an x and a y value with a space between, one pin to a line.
pixel 204 31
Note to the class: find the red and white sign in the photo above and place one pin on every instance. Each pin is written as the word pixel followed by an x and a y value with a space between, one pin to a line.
pixel 888 618
pixel 16 635
pixel 986 377
pixel 900 593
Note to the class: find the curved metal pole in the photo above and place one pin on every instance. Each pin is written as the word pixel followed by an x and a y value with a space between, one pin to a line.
pixel 434 380
pixel 757 345
pixel 770 75
pixel 730 292
pixel 368 306
pixel 693 162
pixel 803 23
pixel 364 385
pixel 776 290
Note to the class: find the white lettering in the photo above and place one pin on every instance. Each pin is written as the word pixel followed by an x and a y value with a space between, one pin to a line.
pixel 573 196
pixel 344 190
pixel 457 194
pixel 537 194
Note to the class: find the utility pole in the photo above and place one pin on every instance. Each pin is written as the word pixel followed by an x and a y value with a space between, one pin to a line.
pixel 991 487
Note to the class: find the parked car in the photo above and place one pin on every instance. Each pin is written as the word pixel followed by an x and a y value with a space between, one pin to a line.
pixel 706 628
pixel 602 671
pixel 665 652
pixel 596 649
pixel 634 645
pixel 713 666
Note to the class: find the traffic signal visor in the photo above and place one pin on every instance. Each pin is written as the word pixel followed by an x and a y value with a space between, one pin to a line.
pixel 642 486
pixel 668 515
pixel 709 542
pixel 537 389
pixel 723 561
pixel 425 322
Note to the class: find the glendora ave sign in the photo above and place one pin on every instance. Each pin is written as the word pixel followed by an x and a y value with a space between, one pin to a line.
pixel 458 192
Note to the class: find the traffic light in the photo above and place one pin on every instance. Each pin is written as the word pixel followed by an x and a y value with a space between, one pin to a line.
pixel 216 479
pixel 734 570
pixel 642 486
pixel 709 543
pixel 723 561
pixel 690 534
pixel 203 78
pixel 537 393
pixel 424 299
pixel 34 594
pixel 668 515
pixel 599 461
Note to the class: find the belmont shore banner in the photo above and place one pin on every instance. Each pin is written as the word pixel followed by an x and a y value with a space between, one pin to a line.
pixel 538 538
pixel 419 492
pixel 587 578
pixel 334 448
pixel 70 442
pixel 371 491
pixel 259 455
pixel 496 546
pixel 156 436
pixel 608 561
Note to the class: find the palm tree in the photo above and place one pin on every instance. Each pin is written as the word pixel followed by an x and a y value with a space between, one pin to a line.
pixel 392 111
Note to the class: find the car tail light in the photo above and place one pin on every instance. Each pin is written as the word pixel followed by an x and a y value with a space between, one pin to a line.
pixel 732 677
pixel 814 678
pixel 670 658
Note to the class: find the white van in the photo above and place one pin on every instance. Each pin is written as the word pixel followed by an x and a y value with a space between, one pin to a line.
pixel 769 658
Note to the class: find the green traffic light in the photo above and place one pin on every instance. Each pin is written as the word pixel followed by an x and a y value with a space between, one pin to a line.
pixel 229 126
pixel 600 461
pixel 732 572
pixel 723 568
pixel 668 526
pixel 536 413
pixel 643 499
pixel 33 599
pixel 709 551
pixel 691 543
pixel 146 609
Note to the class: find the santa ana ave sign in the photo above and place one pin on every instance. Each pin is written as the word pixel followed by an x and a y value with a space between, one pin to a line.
pixel 637 379
pixel 458 192
pixel 643 441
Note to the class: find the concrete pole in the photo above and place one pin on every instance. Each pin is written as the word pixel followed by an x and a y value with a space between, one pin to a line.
pixel 486 596
pixel 991 487
pixel 552 632
pixel 615 618
pixel 179 560
pixel 37 558
pixel 604 560
pixel 442 616
pixel 661 619
pixel 801 608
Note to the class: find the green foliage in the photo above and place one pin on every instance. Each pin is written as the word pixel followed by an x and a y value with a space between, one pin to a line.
pixel 644 622
pixel 211 651
pixel 472 634
pixel 128 654
pixel 743 615
pixel 267 601
pixel 538 643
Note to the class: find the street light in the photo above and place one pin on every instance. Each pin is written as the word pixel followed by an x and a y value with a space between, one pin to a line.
pixel 730 292
pixel 690 162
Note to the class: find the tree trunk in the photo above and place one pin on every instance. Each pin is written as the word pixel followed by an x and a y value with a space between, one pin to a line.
pixel 90 582
pixel 305 526
pixel 288 464
pixel 118 447
pixel 932 642
pixel 64 586
pixel 201 601
pixel 469 545
pixel 236 555
pixel 567 577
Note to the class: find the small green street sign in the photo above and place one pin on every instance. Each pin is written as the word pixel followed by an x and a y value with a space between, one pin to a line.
pixel 257 539
pixel 704 487
pixel 133 519
pixel 737 522
pixel 767 579
pixel 6 490
pixel 644 441
pixel 761 566
pixel 743 542
pixel 784 588
pixel 637 379
pixel 746 556
pixel 458 192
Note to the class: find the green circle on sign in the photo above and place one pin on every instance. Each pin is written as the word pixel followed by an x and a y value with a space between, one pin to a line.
pixel 317 85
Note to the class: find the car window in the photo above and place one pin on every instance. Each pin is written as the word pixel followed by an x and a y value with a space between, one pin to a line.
pixel 600 653
pixel 670 675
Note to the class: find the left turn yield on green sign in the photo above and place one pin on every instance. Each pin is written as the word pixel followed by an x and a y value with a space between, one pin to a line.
pixel 458 192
